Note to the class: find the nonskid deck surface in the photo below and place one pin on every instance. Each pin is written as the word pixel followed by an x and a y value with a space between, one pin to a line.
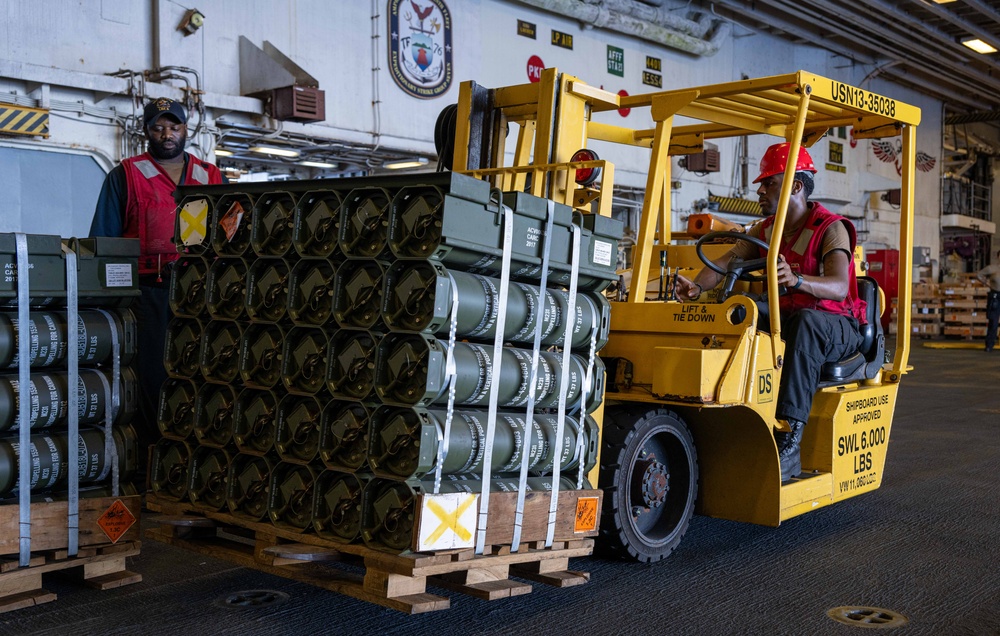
pixel 915 546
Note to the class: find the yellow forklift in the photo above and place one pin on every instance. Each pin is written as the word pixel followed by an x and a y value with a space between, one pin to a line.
pixel 688 418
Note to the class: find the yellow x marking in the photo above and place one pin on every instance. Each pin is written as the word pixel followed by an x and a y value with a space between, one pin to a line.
pixel 194 221
pixel 449 520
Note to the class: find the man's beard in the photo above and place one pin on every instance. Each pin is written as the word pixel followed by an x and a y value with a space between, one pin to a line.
pixel 159 151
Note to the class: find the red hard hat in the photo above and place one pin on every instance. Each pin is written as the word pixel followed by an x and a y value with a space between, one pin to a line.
pixel 775 158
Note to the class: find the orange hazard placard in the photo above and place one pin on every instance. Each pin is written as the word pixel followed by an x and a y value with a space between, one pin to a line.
pixel 116 521
pixel 586 514
pixel 230 221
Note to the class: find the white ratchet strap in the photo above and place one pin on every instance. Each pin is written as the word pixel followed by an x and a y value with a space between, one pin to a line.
pixel 112 397
pixel 491 423
pixel 73 402
pixel 588 383
pixel 451 375
pixel 24 399
pixel 529 417
pixel 564 384
pixel 117 348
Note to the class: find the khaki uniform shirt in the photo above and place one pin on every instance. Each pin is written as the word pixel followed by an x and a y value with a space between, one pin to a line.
pixel 835 238
pixel 990 276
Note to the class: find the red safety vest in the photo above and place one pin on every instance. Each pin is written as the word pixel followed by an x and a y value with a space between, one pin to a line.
pixel 804 251
pixel 150 210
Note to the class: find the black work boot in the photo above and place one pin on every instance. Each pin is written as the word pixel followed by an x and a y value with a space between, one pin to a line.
pixel 788 449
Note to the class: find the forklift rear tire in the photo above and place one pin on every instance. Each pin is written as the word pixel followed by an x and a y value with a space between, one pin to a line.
pixel 649 475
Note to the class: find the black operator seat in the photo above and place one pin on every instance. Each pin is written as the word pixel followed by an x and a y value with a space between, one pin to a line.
pixel 866 363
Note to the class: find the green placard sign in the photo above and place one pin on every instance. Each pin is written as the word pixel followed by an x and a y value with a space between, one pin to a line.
pixel 616 61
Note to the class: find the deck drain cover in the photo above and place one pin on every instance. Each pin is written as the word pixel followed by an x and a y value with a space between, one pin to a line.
pixel 867 617
pixel 253 598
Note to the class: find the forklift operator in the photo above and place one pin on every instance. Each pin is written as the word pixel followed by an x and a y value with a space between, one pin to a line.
pixel 820 309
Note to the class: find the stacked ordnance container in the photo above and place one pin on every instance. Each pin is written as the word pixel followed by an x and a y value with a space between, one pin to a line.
pixel 76 289
pixel 327 334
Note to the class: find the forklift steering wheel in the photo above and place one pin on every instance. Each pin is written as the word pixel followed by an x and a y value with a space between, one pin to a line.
pixel 738 269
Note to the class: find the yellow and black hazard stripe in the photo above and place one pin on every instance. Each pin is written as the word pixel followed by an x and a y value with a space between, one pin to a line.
pixel 734 205
pixel 20 120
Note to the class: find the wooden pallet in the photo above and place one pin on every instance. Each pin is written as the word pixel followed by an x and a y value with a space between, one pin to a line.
pixel 101 567
pixel 395 581
pixel 98 563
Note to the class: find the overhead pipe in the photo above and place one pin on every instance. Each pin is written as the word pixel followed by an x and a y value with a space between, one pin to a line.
pixel 941 40
pixel 959 21
pixel 942 43
pixel 902 42
pixel 861 40
pixel 671 31
pixel 984 9
pixel 696 28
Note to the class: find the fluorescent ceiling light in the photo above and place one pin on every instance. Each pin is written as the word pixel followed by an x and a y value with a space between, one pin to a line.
pixel 277 152
pixel 979 46
pixel 317 164
pixel 943 1
pixel 405 163
pixel 223 153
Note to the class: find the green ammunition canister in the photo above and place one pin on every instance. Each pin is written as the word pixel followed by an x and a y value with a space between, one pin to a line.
pixel 350 365
pixel 293 489
pixel 405 442
pixel 226 289
pixel 49 391
pixel 357 297
pixel 303 363
pixel 364 219
pixel 298 434
pixel 214 413
pixel 231 221
pixel 317 224
pixel 219 360
pixel 267 290
pixel 50 461
pixel 188 286
pixel 260 355
pixel 337 505
pixel 177 410
pixel 255 421
pixel 207 477
pixel 249 486
pixel 310 293
pixel 418 297
pixel 344 435
pixel 411 370
pixel 48 333
pixel 271 225
pixel 168 473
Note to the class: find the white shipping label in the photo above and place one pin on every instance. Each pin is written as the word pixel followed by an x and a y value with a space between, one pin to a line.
pixel 602 253
pixel 118 275
pixel 447 521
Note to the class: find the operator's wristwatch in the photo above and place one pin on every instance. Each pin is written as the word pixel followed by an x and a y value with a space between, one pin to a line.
pixel 798 283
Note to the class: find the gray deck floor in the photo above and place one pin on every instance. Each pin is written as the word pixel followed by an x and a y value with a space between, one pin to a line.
pixel 925 545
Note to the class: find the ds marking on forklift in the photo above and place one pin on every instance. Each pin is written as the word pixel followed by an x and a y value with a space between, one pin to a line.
pixel 765 386
pixel 876 617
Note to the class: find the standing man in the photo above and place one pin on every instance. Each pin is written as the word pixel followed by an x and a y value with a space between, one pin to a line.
pixel 136 201
pixel 990 276
pixel 820 311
